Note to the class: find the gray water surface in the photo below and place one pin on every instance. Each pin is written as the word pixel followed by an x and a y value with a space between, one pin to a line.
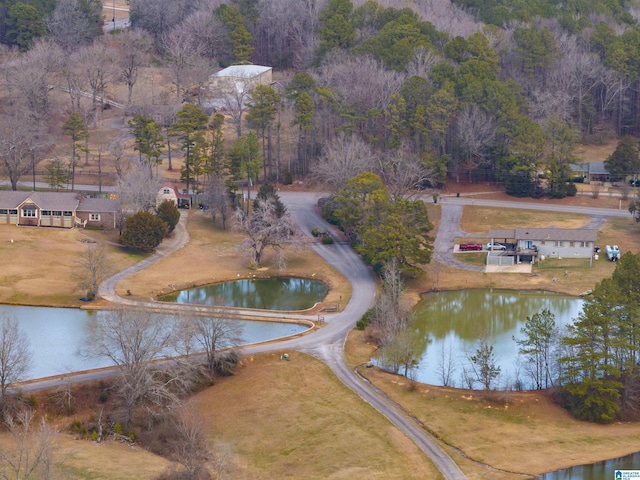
pixel 57 334
pixel 450 324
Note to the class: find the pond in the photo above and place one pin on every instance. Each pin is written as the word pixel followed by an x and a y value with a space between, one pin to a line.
pixel 56 334
pixel 596 471
pixel 448 325
pixel 278 293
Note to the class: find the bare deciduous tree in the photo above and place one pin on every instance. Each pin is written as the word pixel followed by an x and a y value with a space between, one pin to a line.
pixel 342 159
pixel 17 136
pixel 133 53
pixel 71 26
pixel 404 172
pixel 93 268
pixel 475 131
pixel 132 340
pixel 446 366
pixel 30 453
pixel 137 191
pixel 390 313
pixel 211 333
pixel 219 199
pixel 422 62
pixel 184 57
pixel 33 78
pixel 15 356
pixel 190 447
pixel 266 228
pixel 98 66
pixel 158 16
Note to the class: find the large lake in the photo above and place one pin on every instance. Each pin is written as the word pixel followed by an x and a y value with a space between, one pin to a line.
pixel 450 323
pixel 56 334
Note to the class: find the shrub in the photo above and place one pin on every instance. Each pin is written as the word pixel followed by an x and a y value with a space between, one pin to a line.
pixel 572 190
pixel 364 320
pixel 143 231
pixel 168 212
pixel 288 178
pixel 226 364
pixel 104 396
pixel 327 240
pixel 315 232
pixel 94 436
pixel 33 401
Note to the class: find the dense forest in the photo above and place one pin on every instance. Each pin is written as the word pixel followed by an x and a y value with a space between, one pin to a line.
pixel 467 90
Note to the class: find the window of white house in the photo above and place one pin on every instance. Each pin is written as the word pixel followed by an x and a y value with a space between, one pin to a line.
pixel 29 212
pixel 558 243
pixel 586 244
pixel 94 217
pixel 57 213
pixel 67 213
pixel 542 242
pixel 166 191
pixel 13 212
pixel 572 244
pixel 46 213
pixel 3 211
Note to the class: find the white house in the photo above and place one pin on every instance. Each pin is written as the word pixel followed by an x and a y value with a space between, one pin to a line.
pixel 234 83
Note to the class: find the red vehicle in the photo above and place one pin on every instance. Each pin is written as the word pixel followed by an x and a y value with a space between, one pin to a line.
pixel 465 247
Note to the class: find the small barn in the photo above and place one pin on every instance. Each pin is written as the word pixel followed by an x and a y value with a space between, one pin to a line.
pixel 172 193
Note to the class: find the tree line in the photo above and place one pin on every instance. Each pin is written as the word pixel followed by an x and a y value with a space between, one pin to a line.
pixel 501 97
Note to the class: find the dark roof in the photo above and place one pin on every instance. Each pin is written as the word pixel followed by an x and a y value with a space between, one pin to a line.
pixel 44 200
pixel 551 233
pixel 578 235
pixel 95 205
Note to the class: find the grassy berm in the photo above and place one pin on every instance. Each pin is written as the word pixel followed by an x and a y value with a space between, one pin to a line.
pixel 295 419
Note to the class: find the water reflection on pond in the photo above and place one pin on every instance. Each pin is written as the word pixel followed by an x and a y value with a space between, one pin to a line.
pixel 56 334
pixel 280 293
pixel 450 323
pixel 596 471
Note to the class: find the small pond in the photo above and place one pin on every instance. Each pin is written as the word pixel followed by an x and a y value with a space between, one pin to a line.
pixel 596 471
pixel 448 325
pixel 56 334
pixel 278 293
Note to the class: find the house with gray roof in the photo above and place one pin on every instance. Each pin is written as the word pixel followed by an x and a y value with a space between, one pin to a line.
pixel 537 243
pixel 56 209
pixel 592 171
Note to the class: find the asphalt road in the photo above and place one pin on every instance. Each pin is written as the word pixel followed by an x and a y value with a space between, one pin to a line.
pixel 327 343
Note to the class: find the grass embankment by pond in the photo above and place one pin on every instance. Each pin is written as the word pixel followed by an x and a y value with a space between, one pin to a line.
pixel 512 432
pixel 296 419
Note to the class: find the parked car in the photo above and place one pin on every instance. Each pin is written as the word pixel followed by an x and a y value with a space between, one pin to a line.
pixel 496 246
pixel 470 246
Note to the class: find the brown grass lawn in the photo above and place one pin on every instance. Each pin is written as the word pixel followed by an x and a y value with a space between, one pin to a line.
pixel 296 420
pixel 39 264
